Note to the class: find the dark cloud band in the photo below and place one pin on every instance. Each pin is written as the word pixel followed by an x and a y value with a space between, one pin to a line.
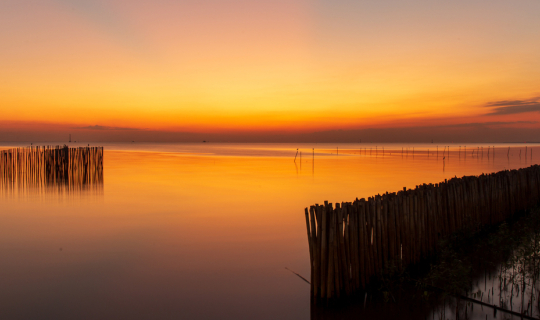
pixel 97 127
pixel 507 107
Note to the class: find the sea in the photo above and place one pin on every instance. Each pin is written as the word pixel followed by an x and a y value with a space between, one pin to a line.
pixel 201 230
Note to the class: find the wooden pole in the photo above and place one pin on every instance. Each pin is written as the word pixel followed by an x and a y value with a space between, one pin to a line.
pixel 315 260
pixel 330 286
pixel 364 255
pixel 311 252
pixel 324 251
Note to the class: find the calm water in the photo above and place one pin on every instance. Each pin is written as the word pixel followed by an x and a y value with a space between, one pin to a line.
pixel 199 231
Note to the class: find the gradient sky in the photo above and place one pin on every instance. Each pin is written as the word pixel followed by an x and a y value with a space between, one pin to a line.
pixel 267 67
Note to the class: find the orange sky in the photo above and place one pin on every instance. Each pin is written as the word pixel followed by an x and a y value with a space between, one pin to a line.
pixel 266 67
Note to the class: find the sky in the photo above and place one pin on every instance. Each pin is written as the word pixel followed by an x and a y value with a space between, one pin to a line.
pixel 284 70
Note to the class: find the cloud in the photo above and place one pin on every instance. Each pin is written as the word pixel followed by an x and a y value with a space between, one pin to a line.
pixel 486 124
pixel 506 107
pixel 97 127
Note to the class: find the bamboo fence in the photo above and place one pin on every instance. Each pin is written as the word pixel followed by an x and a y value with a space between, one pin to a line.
pixel 51 167
pixel 352 243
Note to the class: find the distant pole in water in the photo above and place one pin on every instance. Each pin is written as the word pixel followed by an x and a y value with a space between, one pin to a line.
pixel 383 151
pixel 525 152
pixel 459 154
pixel 313 163
pixel 508 155
pixel 437 151
pixel 70 137
pixel 520 153
pixel 296 155
pixel 337 150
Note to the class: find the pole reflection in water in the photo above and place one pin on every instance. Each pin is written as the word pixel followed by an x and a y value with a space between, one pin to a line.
pixel 200 231
pixel 51 170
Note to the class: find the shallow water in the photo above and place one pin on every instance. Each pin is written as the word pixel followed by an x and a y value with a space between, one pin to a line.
pixel 199 231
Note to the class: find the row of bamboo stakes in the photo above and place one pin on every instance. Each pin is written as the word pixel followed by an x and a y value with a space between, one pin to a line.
pixel 45 167
pixel 354 243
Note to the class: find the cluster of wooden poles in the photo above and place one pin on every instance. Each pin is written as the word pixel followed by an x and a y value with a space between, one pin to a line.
pixel 353 244
pixel 47 166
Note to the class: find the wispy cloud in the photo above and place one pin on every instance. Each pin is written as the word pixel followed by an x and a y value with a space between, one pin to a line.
pixel 505 107
pixel 98 127
pixel 486 124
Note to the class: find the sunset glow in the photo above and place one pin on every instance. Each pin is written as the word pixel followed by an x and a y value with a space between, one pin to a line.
pixel 276 159
pixel 266 67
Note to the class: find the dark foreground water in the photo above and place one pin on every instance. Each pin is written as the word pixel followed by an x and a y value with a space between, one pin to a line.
pixel 202 231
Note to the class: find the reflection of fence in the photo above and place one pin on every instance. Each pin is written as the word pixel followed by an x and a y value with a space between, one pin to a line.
pixel 44 168
pixel 351 244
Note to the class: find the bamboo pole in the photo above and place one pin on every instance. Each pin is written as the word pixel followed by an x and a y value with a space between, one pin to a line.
pixel 324 251
pixel 371 241
pixel 336 249
pixel 384 229
pixel 391 229
pixel 330 286
pixel 311 252
pixel 364 253
pixel 378 230
pixel 354 240
pixel 315 259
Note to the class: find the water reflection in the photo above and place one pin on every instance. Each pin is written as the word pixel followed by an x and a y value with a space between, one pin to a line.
pixel 200 231
pixel 51 171
pixel 506 280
